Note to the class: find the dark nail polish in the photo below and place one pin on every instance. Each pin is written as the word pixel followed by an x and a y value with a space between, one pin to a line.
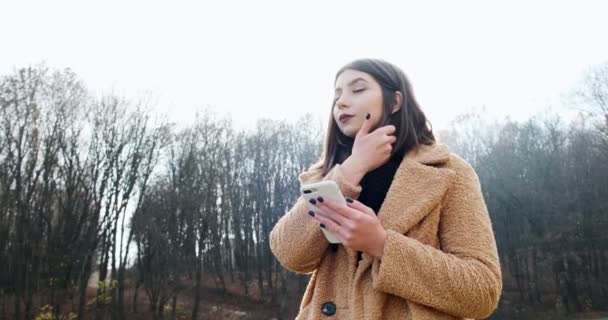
pixel 313 201
pixel 322 226
pixel 311 213
pixel 320 199
pixel 349 200
pixel 368 116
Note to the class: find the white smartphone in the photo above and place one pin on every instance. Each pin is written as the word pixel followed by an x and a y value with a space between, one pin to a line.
pixel 328 190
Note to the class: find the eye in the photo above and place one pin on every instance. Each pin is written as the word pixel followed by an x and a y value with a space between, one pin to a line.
pixel 359 90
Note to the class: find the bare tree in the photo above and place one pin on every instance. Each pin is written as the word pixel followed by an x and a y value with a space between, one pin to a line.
pixel 592 94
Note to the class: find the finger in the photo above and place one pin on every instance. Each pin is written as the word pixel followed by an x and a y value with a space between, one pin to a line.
pixel 330 225
pixel 390 139
pixel 388 149
pixel 366 126
pixel 388 130
pixel 354 204
pixel 338 208
pixel 331 213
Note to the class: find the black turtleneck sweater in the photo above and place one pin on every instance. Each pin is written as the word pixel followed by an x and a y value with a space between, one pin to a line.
pixel 375 184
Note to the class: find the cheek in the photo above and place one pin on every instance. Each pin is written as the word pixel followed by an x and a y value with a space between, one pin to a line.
pixel 372 103
pixel 375 107
pixel 334 114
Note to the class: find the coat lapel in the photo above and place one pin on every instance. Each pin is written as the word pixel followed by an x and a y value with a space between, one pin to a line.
pixel 418 186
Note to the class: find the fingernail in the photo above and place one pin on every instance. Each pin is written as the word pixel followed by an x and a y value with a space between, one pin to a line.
pixel 313 201
pixel 349 200
pixel 368 116
pixel 322 226
pixel 320 199
pixel 311 213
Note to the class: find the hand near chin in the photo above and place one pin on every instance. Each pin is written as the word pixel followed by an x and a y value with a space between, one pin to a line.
pixel 370 150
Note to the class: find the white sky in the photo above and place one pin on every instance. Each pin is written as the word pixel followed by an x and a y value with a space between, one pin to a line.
pixel 278 59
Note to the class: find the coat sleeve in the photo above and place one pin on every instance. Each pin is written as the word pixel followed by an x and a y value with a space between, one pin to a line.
pixel 297 240
pixel 464 277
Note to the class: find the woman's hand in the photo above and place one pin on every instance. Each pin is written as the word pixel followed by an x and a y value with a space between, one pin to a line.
pixel 354 224
pixel 370 150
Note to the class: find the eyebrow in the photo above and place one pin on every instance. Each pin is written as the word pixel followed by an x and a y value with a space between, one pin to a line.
pixel 352 82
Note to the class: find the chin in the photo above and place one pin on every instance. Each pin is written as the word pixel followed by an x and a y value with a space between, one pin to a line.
pixel 348 130
pixel 351 133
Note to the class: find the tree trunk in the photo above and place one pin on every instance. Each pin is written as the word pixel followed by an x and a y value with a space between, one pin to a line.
pixel 174 306
pixel 135 295
pixel 121 294
pixel 197 287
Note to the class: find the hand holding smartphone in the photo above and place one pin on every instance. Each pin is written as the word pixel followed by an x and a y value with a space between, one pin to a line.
pixel 328 190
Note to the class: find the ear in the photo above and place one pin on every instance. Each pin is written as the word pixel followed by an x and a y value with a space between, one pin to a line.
pixel 397 101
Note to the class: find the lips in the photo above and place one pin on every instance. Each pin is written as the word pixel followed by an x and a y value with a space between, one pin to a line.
pixel 344 117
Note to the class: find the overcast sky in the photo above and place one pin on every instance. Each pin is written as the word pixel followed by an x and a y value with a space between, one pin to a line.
pixel 278 59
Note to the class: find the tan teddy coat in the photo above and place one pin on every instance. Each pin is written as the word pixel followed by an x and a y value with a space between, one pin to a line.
pixel 440 259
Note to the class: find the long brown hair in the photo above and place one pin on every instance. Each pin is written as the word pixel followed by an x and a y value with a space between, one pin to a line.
pixel 412 127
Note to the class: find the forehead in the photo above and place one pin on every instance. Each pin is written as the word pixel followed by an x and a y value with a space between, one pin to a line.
pixel 350 76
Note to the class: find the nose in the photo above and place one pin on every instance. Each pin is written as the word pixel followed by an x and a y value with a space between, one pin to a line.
pixel 342 102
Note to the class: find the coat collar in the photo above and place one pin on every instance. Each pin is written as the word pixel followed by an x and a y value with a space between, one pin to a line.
pixel 435 154
pixel 418 185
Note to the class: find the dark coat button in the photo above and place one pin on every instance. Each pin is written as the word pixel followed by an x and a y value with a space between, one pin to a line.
pixel 328 309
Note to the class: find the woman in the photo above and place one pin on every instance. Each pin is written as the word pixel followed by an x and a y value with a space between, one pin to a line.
pixel 416 238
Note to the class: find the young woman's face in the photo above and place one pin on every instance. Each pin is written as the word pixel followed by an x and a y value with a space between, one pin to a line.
pixel 356 94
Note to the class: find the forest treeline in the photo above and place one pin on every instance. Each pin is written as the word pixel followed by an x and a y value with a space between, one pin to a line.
pixel 105 186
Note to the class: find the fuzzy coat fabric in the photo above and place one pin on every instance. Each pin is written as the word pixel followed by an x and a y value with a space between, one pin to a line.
pixel 440 259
